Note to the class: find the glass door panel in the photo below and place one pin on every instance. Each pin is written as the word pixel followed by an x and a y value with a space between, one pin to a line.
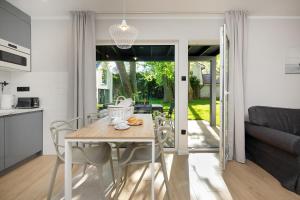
pixel 145 73
pixel 224 50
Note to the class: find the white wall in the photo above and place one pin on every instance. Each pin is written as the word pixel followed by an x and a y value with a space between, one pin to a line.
pixel 266 83
pixel 49 79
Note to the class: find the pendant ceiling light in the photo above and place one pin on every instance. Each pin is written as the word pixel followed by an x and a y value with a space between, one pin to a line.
pixel 123 34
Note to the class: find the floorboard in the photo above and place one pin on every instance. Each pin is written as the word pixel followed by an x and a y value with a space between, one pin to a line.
pixel 196 177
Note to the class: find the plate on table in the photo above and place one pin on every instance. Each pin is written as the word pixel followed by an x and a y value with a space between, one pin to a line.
pixel 121 126
pixel 116 120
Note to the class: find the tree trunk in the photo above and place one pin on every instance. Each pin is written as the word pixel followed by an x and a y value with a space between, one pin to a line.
pixel 190 92
pixel 132 76
pixel 196 91
pixel 168 92
pixel 124 78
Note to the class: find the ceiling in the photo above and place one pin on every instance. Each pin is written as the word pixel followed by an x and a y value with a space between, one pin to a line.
pixel 205 50
pixel 136 53
pixel 54 8
pixel 151 52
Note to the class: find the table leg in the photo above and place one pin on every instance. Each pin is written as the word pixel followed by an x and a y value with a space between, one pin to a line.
pixel 68 170
pixel 152 170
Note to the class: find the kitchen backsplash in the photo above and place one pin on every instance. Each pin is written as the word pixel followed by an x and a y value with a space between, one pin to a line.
pixel 5 76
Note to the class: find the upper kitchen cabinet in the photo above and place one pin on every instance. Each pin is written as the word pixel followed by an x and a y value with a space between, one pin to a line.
pixel 15 25
pixel 15 38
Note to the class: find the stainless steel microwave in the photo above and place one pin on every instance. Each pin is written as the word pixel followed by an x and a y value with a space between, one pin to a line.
pixel 14 57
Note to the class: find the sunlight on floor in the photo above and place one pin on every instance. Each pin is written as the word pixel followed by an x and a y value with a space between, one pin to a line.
pixel 202 135
pixel 196 177
pixel 205 177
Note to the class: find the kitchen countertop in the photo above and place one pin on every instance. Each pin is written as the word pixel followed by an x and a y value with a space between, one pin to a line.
pixel 18 111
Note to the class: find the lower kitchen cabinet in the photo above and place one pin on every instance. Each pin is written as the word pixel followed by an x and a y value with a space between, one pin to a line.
pixel 23 136
pixel 1 144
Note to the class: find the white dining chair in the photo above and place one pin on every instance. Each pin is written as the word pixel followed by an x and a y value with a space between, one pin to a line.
pixel 96 155
pixel 137 154
pixel 92 117
pixel 159 120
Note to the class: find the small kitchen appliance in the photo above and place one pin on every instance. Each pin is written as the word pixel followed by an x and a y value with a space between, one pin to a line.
pixel 7 101
pixel 28 102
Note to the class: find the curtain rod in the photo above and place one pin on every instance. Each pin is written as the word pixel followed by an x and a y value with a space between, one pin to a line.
pixel 160 13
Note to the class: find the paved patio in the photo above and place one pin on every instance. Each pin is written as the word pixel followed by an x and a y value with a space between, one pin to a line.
pixel 201 135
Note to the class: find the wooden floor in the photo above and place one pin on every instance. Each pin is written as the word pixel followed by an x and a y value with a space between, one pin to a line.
pixel 196 176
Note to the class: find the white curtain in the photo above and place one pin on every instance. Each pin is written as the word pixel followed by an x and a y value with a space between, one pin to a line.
pixel 236 26
pixel 84 66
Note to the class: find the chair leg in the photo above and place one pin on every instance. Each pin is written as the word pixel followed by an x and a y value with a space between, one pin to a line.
pixel 52 181
pixel 118 152
pixel 165 173
pixel 100 175
pixel 112 169
pixel 84 169
pixel 119 177
pixel 125 174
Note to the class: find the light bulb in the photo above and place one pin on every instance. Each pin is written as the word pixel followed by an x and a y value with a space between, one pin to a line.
pixel 124 25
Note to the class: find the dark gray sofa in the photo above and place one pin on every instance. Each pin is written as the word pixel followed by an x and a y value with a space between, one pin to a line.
pixel 273 142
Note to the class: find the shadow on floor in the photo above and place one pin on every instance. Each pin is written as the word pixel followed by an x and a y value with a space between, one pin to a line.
pixel 202 135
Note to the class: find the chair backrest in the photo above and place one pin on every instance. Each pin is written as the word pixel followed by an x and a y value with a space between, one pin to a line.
pixel 92 117
pixel 159 120
pixel 156 113
pixel 58 129
pixel 171 109
pixel 283 119
pixel 163 133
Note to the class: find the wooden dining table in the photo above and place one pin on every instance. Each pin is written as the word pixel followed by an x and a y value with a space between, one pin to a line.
pixel 102 131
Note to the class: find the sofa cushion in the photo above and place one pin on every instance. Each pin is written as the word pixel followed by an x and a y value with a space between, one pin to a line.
pixel 284 119
pixel 276 138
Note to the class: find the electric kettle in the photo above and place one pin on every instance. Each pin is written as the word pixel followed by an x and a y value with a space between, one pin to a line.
pixel 7 101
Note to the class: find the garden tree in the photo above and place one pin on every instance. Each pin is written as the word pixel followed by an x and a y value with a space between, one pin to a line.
pixel 190 92
pixel 190 89
pixel 163 74
pixel 195 85
pixel 132 76
pixel 124 79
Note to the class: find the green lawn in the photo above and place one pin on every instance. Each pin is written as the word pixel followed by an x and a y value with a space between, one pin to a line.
pixel 166 106
pixel 198 109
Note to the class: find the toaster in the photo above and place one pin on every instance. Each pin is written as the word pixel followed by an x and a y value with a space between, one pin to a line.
pixel 28 102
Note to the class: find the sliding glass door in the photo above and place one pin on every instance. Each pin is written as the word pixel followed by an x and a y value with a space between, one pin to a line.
pixel 145 73
pixel 203 95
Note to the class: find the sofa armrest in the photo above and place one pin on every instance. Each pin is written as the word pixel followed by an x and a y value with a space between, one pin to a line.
pixel 282 140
